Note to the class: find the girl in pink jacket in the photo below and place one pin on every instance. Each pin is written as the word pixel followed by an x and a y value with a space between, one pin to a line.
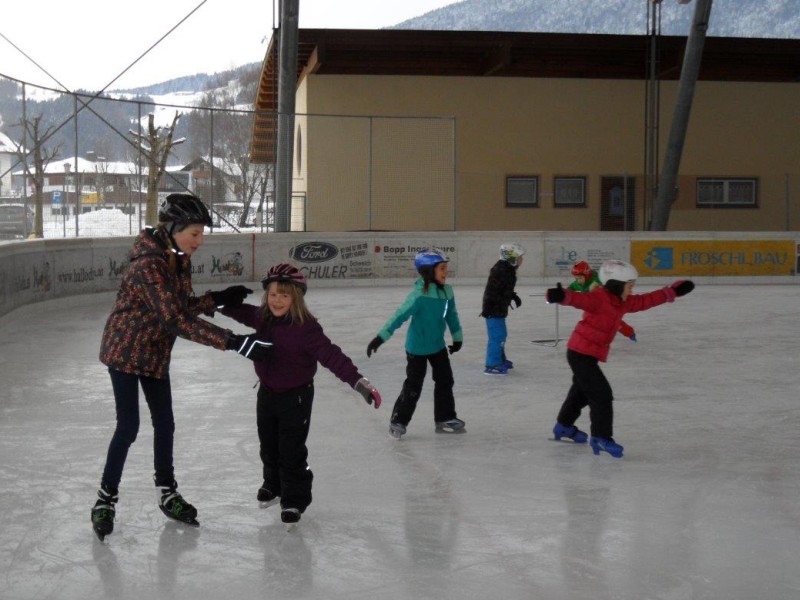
pixel 589 344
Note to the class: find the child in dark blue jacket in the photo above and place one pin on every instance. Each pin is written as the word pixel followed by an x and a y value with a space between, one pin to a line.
pixel 286 390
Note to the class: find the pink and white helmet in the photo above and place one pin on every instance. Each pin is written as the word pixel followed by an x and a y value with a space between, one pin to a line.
pixel 287 273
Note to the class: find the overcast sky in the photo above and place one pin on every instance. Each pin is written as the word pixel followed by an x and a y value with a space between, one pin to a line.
pixel 87 43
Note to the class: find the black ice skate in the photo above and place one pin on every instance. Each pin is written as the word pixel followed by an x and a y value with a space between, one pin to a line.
pixel 290 517
pixel 103 511
pixel 265 497
pixel 175 507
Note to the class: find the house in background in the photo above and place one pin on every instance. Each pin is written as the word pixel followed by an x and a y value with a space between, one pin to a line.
pixel 120 184
pixel 466 130
pixel 8 157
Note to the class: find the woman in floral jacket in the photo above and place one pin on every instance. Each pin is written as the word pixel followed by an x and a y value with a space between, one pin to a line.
pixel 155 304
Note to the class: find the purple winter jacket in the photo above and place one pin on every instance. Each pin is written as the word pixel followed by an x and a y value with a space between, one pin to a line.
pixel 295 352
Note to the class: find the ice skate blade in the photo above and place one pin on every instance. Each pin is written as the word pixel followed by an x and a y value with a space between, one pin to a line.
pixel 566 440
pixel 451 431
pixel 100 536
pixel 268 503
pixel 290 527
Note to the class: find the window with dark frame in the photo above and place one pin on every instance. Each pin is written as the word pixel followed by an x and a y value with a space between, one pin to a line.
pixel 569 192
pixel 727 192
pixel 522 191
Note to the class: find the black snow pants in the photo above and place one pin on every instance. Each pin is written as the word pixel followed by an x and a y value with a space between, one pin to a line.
pixel 444 404
pixel 283 420
pixel 589 388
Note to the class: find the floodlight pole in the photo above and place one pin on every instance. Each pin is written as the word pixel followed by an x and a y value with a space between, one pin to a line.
pixel 287 88
pixel 680 120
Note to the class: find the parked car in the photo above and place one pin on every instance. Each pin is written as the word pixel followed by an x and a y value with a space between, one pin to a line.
pixel 16 220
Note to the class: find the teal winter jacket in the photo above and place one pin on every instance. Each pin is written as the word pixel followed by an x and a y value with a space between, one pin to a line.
pixel 430 312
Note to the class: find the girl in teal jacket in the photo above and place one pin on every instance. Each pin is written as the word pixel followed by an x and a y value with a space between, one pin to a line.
pixel 431 306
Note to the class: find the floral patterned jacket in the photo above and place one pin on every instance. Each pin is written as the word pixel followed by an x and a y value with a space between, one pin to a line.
pixel 155 304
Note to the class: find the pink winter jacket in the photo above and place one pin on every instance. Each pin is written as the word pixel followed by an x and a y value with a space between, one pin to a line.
pixel 602 316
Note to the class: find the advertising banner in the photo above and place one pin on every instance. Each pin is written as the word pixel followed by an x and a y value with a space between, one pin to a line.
pixel 713 258
pixel 561 255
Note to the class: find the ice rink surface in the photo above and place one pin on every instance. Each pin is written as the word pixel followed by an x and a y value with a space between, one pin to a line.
pixel 705 503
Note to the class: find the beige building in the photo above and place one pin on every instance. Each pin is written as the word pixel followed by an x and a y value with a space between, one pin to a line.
pixel 442 130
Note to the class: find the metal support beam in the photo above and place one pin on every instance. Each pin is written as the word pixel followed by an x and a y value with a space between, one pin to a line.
pixel 287 88
pixel 680 120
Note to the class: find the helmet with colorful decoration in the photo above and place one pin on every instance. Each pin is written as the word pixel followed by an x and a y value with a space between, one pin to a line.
pixel 581 268
pixel 287 273
pixel 511 253
pixel 427 258
pixel 617 270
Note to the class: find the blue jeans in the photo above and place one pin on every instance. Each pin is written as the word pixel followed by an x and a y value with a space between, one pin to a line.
pixel 495 347
pixel 158 394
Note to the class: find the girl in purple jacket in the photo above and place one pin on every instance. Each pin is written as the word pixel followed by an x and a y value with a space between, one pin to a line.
pixel 286 390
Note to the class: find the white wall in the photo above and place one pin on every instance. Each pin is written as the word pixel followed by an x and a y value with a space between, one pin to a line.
pixel 37 270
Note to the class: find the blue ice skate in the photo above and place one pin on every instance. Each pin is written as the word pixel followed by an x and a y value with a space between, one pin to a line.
pixel 606 445
pixel 450 426
pixel 496 370
pixel 571 432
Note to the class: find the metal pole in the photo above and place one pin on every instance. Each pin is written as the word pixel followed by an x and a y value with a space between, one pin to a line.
pixel 680 120
pixel 369 176
pixel 76 177
pixel 455 182
pixel 788 205
pixel 287 88
pixel 652 112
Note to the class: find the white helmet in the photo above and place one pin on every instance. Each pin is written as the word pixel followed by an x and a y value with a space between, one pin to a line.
pixel 617 270
pixel 511 252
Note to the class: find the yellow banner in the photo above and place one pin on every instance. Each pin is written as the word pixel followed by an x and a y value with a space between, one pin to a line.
pixel 717 258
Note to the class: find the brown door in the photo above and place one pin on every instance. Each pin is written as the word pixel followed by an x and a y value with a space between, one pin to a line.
pixel 617 203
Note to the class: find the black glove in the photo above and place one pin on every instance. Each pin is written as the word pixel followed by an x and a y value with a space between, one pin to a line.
pixel 455 347
pixel 249 346
pixel 682 287
pixel 366 389
pixel 230 297
pixel 515 299
pixel 374 345
pixel 556 294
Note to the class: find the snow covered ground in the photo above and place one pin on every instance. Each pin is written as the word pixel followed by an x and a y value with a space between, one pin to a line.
pixel 704 505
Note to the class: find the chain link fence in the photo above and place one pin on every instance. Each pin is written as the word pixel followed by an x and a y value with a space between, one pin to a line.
pixel 78 165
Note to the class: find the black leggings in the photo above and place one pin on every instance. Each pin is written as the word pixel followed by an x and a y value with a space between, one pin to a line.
pixel 444 404
pixel 589 388
pixel 158 394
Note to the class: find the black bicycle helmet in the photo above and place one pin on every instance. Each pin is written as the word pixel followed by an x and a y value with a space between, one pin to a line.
pixel 182 210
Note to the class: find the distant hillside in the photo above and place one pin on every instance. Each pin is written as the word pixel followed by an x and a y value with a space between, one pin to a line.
pixel 729 18
pixel 199 82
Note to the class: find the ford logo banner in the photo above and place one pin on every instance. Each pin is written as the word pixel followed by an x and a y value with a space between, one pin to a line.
pixel 314 252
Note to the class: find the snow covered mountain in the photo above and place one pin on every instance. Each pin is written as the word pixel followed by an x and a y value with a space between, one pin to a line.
pixel 729 18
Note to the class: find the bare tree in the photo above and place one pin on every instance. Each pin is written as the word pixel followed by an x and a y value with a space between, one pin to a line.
pixel 231 146
pixel 41 158
pixel 156 146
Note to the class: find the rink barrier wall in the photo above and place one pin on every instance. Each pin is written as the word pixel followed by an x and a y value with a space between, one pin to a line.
pixel 38 270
